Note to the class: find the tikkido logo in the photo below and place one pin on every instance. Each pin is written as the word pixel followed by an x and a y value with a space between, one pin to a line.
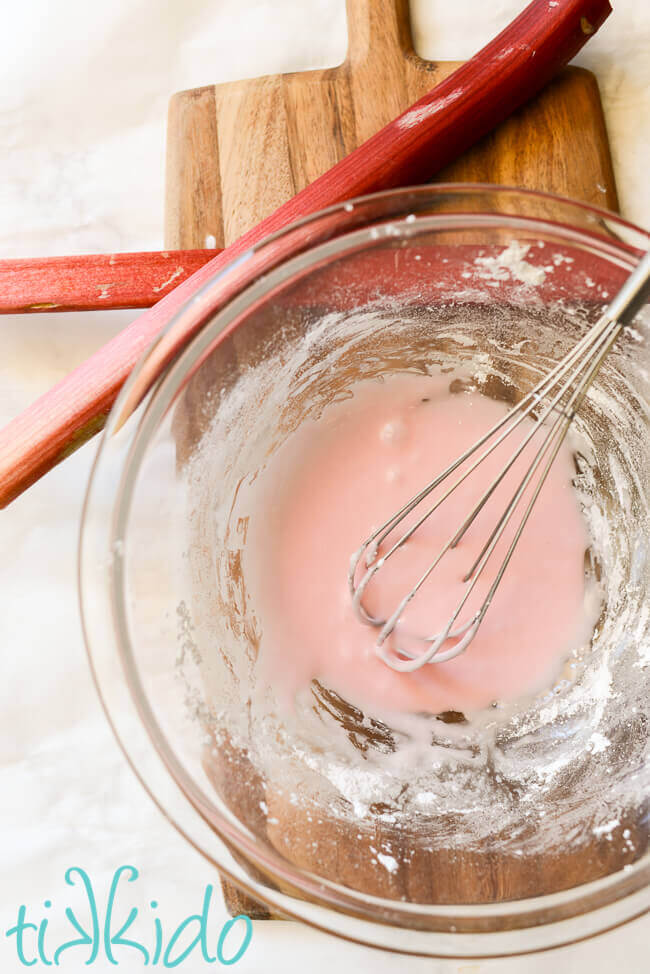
pixel 106 936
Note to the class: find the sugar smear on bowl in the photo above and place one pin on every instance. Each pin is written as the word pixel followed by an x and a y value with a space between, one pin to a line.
pixel 360 744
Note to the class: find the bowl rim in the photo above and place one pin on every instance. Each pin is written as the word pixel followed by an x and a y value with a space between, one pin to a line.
pixel 543 911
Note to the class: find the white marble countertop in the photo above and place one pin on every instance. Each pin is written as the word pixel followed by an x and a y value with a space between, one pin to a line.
pixel 83 96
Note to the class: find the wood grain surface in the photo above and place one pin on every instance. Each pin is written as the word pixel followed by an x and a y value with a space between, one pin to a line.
pixel 237 151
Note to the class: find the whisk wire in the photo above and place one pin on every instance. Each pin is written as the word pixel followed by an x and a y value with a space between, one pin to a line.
pixel 524 407
pixel 569 380
pixel 556 433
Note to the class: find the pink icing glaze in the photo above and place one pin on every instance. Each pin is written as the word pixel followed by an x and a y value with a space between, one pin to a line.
pixel 335 479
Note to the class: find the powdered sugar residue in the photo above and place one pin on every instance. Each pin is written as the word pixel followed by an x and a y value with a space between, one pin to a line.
pixel 511 265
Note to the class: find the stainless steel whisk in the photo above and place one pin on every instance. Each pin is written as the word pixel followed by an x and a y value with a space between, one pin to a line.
pixel 560 392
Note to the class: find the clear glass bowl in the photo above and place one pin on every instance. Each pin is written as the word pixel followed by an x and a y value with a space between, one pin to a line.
pixel 555 846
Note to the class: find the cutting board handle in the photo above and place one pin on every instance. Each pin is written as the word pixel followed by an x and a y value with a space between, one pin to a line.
pixel 377 31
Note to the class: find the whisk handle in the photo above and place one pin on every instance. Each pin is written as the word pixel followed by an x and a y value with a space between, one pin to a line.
pixel 633 294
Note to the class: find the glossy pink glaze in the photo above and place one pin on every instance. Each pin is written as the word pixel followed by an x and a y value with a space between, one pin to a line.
pixel 336 479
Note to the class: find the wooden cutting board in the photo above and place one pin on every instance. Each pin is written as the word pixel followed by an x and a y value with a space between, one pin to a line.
pixel 237 151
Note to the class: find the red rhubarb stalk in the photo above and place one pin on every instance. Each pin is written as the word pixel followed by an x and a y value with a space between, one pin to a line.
pixel 95 282
pixel 412 148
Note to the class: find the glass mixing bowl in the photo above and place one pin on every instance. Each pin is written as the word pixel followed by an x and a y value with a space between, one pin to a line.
pixel 534 829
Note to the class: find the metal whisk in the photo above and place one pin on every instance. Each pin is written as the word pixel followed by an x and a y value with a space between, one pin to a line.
pixel 552 404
